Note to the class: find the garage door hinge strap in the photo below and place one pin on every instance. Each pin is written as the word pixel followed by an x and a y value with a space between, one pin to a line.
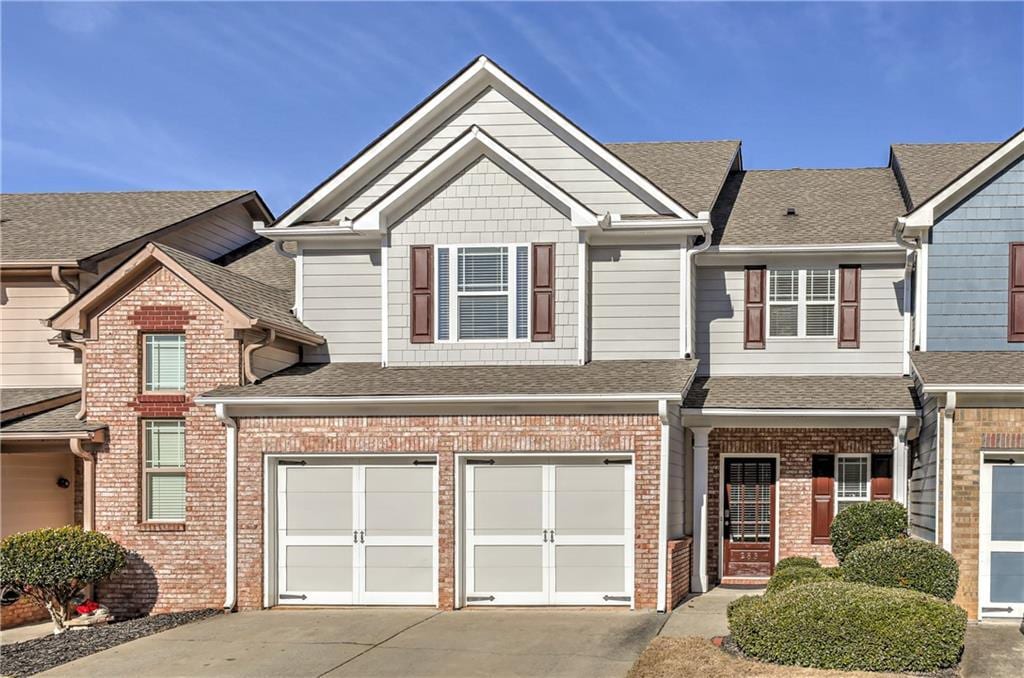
pixel 624 599
pixel 618 461
pixel 424 462
pixel 997 609
pixel 476 599
pixel 473 462
pixel 1010 461
pixel 291 596
pixel 291 462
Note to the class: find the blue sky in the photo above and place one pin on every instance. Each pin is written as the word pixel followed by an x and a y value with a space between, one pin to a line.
pixel 276 96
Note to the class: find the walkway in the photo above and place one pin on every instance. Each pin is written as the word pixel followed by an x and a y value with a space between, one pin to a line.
pixel 704 615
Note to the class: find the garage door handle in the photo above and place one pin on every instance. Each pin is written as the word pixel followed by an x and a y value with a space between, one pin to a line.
pixel 362 536
pixel 552 536
pixel 355 536
pixel 545 532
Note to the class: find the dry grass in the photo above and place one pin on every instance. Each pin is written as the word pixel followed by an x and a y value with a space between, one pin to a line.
pixel 692 656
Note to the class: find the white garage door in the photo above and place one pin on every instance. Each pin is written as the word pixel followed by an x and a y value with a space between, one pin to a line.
pixel 549 531
pixel 356 533
pixel 1001 556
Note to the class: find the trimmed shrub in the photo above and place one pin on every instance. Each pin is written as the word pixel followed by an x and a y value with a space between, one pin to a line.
pixel 905 563
pixel 796 561
pixel 864 523
pixel 794 576
pixel 852 627
pixel 54 565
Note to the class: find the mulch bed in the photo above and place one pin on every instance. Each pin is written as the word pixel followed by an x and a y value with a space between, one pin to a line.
pixel 40 654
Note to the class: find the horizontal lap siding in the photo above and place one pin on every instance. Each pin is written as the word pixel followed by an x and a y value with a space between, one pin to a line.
pixel 720 330
pixel 483 205
pixel 525 137
pixel 968 268
pixel 634 302
pixel 341 301
pixel 214 235
pixel 923 472
pixel 31 498
pixel 26 359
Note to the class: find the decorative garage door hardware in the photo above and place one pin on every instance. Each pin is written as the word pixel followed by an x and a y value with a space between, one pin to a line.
pixel 477 462
pixel 479 599
pixel 552 538
pixel 424 462
pixel 291 462
pixel 991 460
pixel 292 596
pixel 618 461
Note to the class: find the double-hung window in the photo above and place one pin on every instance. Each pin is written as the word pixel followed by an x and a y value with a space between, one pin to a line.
pixel 853 479
pixel 802 302
pixel 163 363
pixel 483 292
pixel 163 486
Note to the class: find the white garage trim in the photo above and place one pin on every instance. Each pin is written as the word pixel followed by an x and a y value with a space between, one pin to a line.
pixel 987 609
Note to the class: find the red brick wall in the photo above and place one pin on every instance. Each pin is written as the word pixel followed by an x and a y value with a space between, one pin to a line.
pixel 24 611
pixel 678 565
pixel 795 448
pixel 172 567
pixel 447 436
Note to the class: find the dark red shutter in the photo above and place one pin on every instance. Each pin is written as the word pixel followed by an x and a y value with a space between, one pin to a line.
pixel 754 307
pixel 849 307
pixel 822 472
pixel 543 292
pixel 421 277
pixel 881 477
pixel 1015 315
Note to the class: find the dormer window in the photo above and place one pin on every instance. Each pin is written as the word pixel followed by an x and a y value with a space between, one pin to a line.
pixel 163 363
pixel 802 303
pixel 483 292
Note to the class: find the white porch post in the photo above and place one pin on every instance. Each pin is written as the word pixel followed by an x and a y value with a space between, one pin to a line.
pixel 699 553
pixel 899 463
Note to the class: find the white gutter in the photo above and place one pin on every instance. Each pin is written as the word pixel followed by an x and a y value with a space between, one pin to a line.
pixel 784 249
pixel 360 400
pixel 975 388
pixel 662 603
pixel 911 247
pixel 949 414
pixel 231 512
pixel 297 258
pixel 725 411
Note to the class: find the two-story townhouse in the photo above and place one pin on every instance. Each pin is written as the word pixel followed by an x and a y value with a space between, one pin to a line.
pixel 964 229
pixel 54 247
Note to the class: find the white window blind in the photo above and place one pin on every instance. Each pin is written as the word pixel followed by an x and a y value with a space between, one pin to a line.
pixel 165 362
pixel 164 470
pixel 801 303
pixel 853 480
pixel 489 289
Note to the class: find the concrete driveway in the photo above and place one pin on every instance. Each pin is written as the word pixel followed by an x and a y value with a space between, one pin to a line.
pixel 386 642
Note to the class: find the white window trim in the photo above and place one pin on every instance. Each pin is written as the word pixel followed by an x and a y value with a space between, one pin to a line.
pixel 512 292
pixel 802 303
pixel 867 477
pixel 145 363
pixel 161 470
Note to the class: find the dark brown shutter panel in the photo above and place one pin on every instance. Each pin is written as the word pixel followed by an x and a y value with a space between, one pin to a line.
pixel 849 307
pixel 754 307
pixel 543 292
pixel 822 472
pixel 1015 314
pixel 421 279
pixel 881 477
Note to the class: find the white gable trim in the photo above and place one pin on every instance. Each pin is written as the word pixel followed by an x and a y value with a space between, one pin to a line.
pixel 473 144
pixel 474 78
pixel 923 217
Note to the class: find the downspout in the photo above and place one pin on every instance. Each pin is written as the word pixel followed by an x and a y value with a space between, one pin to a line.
pixel 912 246
pixel 60 280
pixel 231 503
pixel 89 481
pixel 297 301
pixel 69 342
pixel 691 311
pixel 268 339
pixel 949 414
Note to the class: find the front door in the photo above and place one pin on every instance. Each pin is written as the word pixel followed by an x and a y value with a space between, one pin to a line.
pixel 1001 556
pixel 748 514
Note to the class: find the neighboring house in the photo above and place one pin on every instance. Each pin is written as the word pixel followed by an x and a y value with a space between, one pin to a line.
pixel 55 246
pixel 965 228
pixel 492 361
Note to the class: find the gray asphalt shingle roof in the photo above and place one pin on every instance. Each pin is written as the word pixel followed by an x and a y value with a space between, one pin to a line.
pixel 833 206
pixel 14 398
pixel 808 393
pixel 258 260
pixel 58 420
pixel 1003 368
pixel 691 172
pixel 76 226
pixel 928 168
pixel 325 380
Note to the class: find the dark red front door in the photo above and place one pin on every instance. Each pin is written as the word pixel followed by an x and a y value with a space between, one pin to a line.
pixel 749 517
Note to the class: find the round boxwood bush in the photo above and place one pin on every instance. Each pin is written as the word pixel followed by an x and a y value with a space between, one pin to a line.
pixel 864 523
pixel 54 565
pixel 793 576
pixel 796 561
pixel 852 627
pixel 904 563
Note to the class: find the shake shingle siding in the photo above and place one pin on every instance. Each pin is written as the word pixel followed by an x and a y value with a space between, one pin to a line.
pixel 968 267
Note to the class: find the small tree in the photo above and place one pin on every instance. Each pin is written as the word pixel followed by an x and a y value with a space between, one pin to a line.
pixel 54 565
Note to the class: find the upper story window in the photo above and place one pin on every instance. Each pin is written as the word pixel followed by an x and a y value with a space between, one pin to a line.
pixel 802 303
pixel 163 483
pixel 483 293
pixel 163 363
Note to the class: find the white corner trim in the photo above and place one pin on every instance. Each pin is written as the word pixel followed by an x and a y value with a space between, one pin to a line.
pixel 921 309
pixel 908 315
pixel 231 508
pixel 385 251
pixel 923 217
pixel 949 415
pixel 662 602
pixel 466 149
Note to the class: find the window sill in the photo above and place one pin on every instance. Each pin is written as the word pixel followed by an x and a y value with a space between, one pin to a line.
pixel 161 527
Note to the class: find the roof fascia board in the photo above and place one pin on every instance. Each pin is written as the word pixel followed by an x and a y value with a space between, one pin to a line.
pixel 466 149
pixel 475 76
pixel 923 217
pixel 46 435
pixel 453 399
pixel 973 388
pixel 794 412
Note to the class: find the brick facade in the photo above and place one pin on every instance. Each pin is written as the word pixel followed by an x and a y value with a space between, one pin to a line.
pixel 24 611
pixel 794 448
pixel 678 564
pixel 975 429
pixel 446 436
pixel 172 566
